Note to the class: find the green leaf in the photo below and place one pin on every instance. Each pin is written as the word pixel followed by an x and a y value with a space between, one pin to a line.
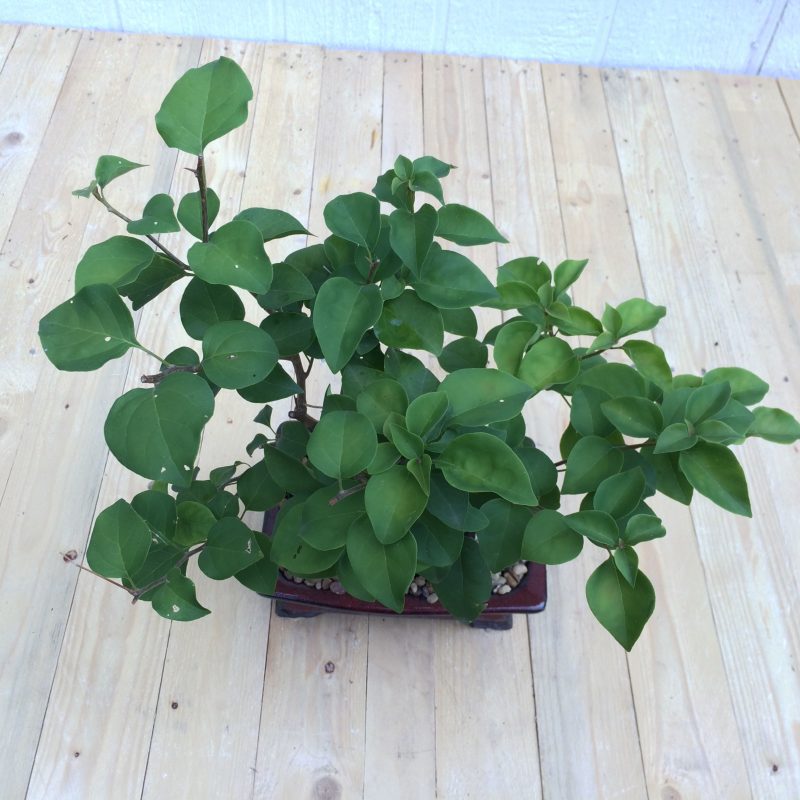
pixel 590 462
pixel 408 322
pixel 501 540
pixel 439 168
pixel 272 223
pixel 643 528
pixel 452 506
pixel 746 387
pixel 420 468
pixel 675 437
pixel 85 332
pixel 231 547
pixel 460 321
pixel 292 332
pixel 424 181
pixel 158 510
pixel 480 462
pixel 86 191
pixel 634 416
pixel 411 235
pixel 450 280
pixel 237 354
pixel 512 340
pixel 380 399
pixel 549 362
pixel 275 386
pixel 620 494
pixel 261 576
pixel 157 217
pixel 467 587
pixel 650 361
pixel 385 570
pixel 714 430
pixel 638 315
pixel 612 321
pixel 204 104
pixel 342 444
pixel 342 313
pixel 437 544
pixel 289 285
pixel 294 553
pixel 549 540
pixel 159 275
pixel 257 490
pixel 706 401
pixel 616 380
pixel 156 432
pixel 714 471
pixel 597 526
pixel 194 521
pixel 324 526
pixel 233 256
pixel 190 211
pixel 483 396
pixel 541 470
pixel 774 425
pixel 627 563
pixel 669 478
pixel 466 226
pixel 566 273
pixel 408 444
pixel 386 456
pixel 120 542
pixel 177 599
pixel 116 261
pixel 622 609
pixel 355 217
pixel 464 353
pixel 586 414
pixel 394 501
pixel 529 270
pixel 109 168
pixel 574 321
pixel 425 413
pixel 204 305
pixel 411 373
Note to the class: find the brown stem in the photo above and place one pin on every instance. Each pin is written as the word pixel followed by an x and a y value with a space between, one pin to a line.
pixel 339 496
pixel 169 254
pixel 137 593
pixel 300 410
pixel 98 575
pixel 200 174
pixel 159 376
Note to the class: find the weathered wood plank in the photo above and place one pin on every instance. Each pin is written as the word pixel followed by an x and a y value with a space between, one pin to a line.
pixel 466 662
pixel 323 753
pixel 738 177
pixel 107 644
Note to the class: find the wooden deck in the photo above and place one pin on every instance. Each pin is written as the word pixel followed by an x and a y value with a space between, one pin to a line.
pixel 683 187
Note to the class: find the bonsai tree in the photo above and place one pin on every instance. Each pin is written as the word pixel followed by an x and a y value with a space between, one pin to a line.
pixel 396 473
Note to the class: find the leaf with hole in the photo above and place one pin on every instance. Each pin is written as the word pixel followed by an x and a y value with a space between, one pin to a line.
pixel 231 547
pixel 176 599
pixel 85 332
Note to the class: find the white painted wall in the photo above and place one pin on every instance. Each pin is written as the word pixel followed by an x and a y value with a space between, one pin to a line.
pixel 749 36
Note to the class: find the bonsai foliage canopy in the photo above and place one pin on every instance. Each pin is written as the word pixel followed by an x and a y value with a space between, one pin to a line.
pixel 398 472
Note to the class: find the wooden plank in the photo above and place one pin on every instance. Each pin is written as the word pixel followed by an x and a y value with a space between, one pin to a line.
pixel 399 763
pixel 313 720
pixel 690 738
pixel 111 652
pixel 8 35
pixel 29 87
pixel 63 451
pixel 738 200
pixel 215 695
pixel 466 662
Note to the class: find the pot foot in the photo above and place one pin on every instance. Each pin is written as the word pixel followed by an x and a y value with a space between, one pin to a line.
pixel 493 622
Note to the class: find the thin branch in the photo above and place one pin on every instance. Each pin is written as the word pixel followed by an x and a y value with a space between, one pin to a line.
pixel 159 376
pixel 137 593
pixel 200 174
pixel 300 410
pixel 339 496
pixel 168 253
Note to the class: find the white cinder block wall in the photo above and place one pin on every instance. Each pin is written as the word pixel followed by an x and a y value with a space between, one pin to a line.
pixel 750 36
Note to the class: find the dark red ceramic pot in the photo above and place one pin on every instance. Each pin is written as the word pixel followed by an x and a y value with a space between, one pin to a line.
pixel 300 600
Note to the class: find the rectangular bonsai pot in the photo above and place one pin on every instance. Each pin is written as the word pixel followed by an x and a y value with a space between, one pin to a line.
pixel 301 600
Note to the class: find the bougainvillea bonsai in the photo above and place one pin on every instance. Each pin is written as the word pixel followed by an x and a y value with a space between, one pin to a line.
pixel 400 473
